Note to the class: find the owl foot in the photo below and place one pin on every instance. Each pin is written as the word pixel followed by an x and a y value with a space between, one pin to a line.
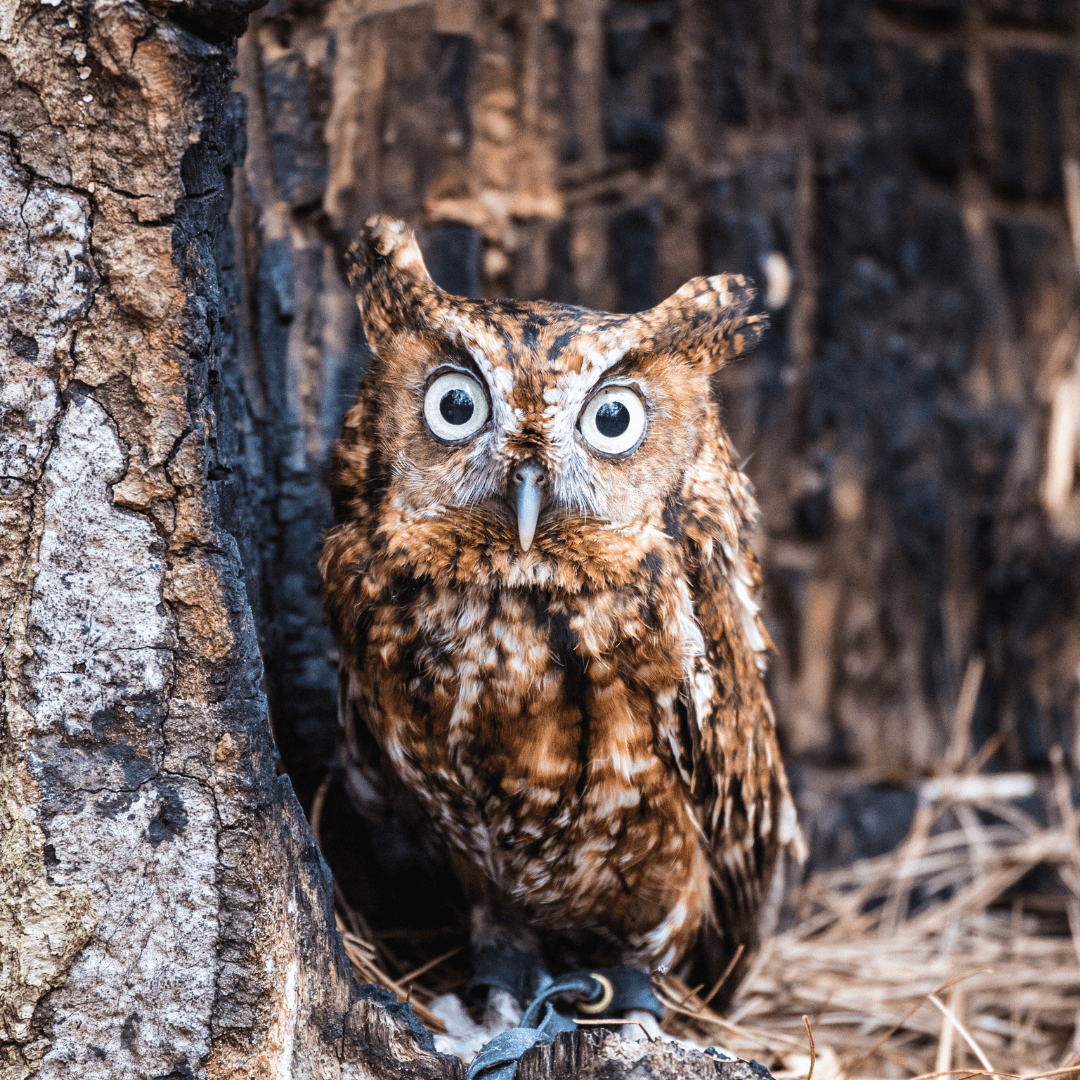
pixel 505 979
pixel 643 1025
pixel 615 994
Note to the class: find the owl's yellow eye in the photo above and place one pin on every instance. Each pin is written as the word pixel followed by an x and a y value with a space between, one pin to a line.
pixel 613 421
pixel 455 406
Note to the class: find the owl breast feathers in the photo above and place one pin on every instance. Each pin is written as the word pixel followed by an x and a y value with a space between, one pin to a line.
pixel 551 649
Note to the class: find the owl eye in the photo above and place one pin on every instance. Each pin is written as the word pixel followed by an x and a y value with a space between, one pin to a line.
pixel 613 421
pixel 455 406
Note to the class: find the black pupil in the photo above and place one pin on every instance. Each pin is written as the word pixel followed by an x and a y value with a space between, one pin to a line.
pixel 612 419
pixel 456 406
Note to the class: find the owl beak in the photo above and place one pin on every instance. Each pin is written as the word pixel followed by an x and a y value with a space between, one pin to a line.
pixel 527 487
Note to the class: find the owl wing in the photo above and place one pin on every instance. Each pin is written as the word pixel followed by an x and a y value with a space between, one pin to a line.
pixel 723 734
pixel 358 753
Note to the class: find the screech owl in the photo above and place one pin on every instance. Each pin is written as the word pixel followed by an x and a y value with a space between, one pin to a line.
pixel 552 656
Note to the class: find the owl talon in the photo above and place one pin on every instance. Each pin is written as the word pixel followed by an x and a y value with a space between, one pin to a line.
pixel 643 1025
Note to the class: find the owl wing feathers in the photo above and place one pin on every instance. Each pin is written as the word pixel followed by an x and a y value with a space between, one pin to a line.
pixel 722 733
pixel 376 791
pixel 359 754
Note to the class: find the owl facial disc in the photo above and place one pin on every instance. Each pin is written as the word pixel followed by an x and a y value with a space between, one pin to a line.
pixel 526 484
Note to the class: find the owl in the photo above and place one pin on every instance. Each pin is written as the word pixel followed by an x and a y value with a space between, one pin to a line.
pixel 552 653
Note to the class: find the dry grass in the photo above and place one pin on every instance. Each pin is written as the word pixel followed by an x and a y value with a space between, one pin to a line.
pixel 923 962
pixel 920 962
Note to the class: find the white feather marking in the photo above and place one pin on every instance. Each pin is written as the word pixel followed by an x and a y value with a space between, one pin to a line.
pixel 624 765
pixel 704 694
pixel 672 923
pixel 693 639
pixel 722 297
pixel 789 833
pixel 742 588
pixel 692 818
pixel 748 610
pixel 542 796
pixel 676 753
pixel 613 799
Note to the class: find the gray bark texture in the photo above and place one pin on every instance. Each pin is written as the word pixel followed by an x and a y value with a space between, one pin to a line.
pixel 164 909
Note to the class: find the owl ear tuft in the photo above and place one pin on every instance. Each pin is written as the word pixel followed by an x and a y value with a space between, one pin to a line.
pixel 390 239
pixel 708 321
pixel 393 286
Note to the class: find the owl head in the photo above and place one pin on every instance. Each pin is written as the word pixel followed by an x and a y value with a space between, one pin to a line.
pixel 533 421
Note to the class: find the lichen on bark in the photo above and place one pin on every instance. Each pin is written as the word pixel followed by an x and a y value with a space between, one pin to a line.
pixel 43 293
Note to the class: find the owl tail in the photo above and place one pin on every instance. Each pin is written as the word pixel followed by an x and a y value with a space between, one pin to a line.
pixel 707 321
pixel 394 291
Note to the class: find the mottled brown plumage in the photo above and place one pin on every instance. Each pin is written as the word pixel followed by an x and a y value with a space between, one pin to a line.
pixel 582 726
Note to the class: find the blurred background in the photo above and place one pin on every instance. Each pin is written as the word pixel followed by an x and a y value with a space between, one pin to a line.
pixel 900 179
